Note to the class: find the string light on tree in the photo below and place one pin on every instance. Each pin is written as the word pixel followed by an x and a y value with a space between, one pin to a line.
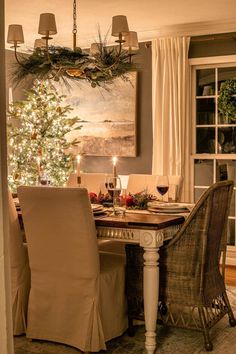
pixel 36 135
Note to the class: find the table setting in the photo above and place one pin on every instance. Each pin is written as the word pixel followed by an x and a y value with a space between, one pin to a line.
pixel 169 207
pixel 118 203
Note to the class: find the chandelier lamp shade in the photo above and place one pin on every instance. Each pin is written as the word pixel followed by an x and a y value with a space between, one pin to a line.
pixel 131 41
pixel 47 25
pixel 15 35
pixel 120 27
pixel 102 64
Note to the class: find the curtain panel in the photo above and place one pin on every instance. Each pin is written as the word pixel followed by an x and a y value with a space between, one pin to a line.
pixel 171 109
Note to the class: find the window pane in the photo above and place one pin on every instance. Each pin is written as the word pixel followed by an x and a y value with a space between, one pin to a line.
pixel 203 172
pixel 205 82
pixel 198 192
pixel 222 119
pixel 205 111
pixel 205 140
pixel 226 74
pixel 223 75
pixel 227 140
pixel 232 205
pixel 231 233
pixel 226 169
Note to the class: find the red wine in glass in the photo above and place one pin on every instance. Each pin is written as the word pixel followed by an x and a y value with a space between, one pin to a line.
pixel 162 189
pixel 110 188
pixel 114 192
pixel 162 185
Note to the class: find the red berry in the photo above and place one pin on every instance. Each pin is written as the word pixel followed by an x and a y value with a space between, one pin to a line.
pixel 129 201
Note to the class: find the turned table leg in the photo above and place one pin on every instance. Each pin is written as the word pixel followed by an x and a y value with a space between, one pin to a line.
pixel 151 292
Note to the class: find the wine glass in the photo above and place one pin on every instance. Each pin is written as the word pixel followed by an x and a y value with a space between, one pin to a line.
pixel 162 185
pixel 44 179
pixel 113 185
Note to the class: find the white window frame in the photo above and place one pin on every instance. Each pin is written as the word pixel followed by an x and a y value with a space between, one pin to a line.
pixel 207 63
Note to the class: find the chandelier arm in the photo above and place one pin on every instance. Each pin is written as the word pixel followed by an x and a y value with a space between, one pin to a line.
pixel 16 57
pixel 48 57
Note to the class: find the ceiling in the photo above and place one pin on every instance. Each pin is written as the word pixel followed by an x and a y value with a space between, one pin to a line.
pixel 149 18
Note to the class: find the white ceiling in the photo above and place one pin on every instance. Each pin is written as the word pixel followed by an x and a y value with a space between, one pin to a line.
pixel 149 18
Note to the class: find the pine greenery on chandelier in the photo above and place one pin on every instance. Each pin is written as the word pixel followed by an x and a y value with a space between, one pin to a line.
pixel 100 66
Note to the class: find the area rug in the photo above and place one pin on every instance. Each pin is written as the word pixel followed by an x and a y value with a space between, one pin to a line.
pixel 170 340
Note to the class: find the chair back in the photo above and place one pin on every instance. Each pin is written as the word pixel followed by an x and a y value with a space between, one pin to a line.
pixel 20 273
pixel 142 182
pixel 175 185
pixel 93 182
pixel 193 255
pixel 60 233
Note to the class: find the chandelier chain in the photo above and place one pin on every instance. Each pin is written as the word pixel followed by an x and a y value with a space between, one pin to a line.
pixel 74 31
pixel 74 17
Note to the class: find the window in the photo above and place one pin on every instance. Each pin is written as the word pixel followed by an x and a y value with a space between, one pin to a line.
pixel 214 143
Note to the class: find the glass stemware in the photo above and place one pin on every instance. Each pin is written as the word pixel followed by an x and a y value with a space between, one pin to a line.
pixel 44 180
pixel 113 185
pixel 162 185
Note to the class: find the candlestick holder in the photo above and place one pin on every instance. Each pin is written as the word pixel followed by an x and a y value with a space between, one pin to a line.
pixel 79 180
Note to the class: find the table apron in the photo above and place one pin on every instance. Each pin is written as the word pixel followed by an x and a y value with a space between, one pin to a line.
pixel 145 237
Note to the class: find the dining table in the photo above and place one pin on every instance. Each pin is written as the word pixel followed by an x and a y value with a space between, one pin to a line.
pixel 150 231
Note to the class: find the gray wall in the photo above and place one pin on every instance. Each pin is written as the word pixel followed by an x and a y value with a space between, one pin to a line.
pixel 142 163
pixel 208 46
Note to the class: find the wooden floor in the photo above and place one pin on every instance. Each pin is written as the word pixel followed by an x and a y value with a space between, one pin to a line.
pixel 230 275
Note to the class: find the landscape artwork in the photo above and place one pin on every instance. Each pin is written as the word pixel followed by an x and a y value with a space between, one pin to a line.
pixel 107 117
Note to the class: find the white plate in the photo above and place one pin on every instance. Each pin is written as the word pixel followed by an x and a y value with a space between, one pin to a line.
pixel 96 207
pixel 99 212
pixel 169 210
pixel 164 205
pixel 170 206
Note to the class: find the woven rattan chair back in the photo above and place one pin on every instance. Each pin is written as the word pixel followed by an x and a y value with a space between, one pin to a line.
pixel 192 290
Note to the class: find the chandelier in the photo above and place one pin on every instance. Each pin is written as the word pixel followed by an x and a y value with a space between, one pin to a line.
pixel 102 64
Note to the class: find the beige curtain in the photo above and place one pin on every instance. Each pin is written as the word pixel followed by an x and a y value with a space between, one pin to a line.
pixel 171 114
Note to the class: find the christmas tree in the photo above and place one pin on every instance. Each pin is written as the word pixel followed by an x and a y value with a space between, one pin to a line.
pixel 36 134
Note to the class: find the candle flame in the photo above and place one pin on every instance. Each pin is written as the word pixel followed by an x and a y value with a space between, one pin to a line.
pixel 114 160
pixel 78 158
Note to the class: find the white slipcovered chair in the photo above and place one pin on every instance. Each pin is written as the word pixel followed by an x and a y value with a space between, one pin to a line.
pixel 20 273
pixel 77 297
pixel 175 185
pixel 94 182
pixel 141 182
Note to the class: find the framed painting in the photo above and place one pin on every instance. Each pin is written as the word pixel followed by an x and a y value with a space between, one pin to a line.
pixel 107 117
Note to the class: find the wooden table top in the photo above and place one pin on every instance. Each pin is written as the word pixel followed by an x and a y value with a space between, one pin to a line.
pixel 135 220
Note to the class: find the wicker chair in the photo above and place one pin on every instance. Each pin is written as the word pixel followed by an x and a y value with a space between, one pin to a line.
pixel 192 290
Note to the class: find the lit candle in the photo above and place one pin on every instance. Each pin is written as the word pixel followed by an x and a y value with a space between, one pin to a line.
pixel 78 159
pixel 114 161
pixel 10 96
pixel 38 158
